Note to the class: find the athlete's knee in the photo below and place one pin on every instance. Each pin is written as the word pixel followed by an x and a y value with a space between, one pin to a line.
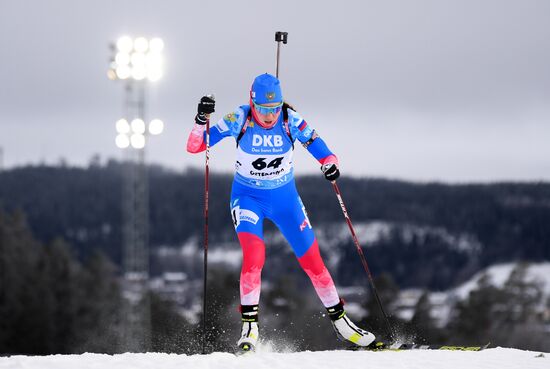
pixel 253 248
pixel 312 262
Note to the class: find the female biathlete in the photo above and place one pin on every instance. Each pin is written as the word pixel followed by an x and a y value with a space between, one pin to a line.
pixel 265 131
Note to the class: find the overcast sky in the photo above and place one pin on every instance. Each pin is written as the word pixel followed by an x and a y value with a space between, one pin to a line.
pixel 447 90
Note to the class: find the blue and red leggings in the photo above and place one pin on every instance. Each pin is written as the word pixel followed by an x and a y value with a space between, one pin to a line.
pixel 283 206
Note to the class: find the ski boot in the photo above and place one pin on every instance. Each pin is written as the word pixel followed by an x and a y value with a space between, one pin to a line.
pixel 249 332
pixel 346 330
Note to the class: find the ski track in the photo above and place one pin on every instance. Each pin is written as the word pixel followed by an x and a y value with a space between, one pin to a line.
pixel 496 358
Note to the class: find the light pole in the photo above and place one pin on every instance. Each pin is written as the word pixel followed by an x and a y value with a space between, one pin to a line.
pixel 136 62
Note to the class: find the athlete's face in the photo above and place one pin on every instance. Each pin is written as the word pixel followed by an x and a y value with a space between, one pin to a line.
pixel 269 118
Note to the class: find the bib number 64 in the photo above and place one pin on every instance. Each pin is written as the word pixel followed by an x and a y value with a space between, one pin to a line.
pixel 260 164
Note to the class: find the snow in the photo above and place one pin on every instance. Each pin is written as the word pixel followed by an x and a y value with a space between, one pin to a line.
pixel 442 302
pixel 369 233
pixel 500 273
pixel 330 235
pixel 266 357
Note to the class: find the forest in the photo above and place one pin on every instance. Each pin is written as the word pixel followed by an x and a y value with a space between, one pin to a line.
pixel 60 260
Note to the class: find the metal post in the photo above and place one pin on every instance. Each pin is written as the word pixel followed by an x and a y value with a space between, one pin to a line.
pixel 280 37
pixel 136 232
pixel 135 197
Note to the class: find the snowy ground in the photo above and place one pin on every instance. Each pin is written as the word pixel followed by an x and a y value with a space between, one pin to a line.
pixel 497 358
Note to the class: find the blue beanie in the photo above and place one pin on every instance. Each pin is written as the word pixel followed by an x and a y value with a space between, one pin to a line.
pixel 266 89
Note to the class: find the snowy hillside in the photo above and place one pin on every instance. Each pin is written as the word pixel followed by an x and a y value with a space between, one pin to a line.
pixel 499 274
pixel 332 238
pixel 442 302
pixel 497 358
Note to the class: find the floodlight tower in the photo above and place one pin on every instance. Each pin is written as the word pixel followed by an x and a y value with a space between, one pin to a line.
pixel 136 62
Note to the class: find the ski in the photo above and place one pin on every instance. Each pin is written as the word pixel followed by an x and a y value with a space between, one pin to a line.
pixel 413 346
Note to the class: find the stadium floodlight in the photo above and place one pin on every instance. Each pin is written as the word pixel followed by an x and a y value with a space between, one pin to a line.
pixel 122 126
pixel 156 126
pixel 122 141
pixel 141 44
pixel 137 140
pixel 138 126
pixel 122 58
pixel 125 44
pixel 154 75
pixel 139 73
pixel 123 71
pixel 134 134
pixel 137 59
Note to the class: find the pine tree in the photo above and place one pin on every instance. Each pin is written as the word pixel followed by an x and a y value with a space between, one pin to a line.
pixel 474 317
pixel 423 322
pixel 99 310
pixel 63 272
pixel 48 303
pixel 25 302
pixel 518 322
pixel 522 297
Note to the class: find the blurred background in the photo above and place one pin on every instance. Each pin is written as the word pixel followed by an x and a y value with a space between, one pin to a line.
pixel 438 111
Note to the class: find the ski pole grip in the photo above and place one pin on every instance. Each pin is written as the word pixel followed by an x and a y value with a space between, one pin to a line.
pixel 281 37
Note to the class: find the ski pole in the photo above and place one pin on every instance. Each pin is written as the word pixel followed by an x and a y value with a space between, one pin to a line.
pixel 205 267
pixel 362 256
pixel 280 37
